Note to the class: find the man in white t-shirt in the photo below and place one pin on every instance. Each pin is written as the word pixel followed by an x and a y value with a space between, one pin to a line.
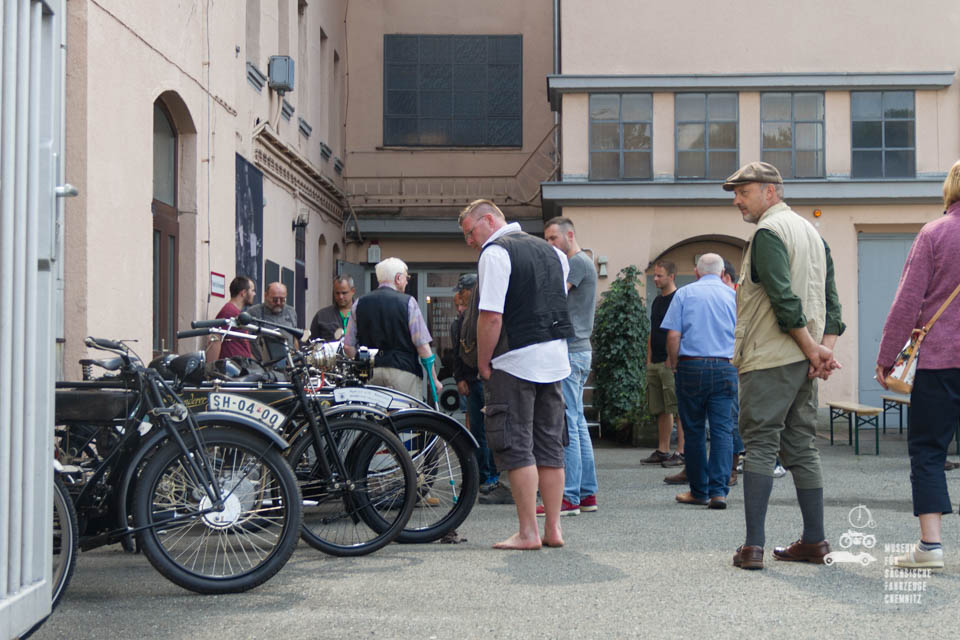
pixel 522 332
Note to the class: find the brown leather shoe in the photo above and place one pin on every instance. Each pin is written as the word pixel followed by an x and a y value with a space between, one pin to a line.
pixel 677 478
pixel 717 502
pixel 800 552
pixel 688 498
pixel 748 557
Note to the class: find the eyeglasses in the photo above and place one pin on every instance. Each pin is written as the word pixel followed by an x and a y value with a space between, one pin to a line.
pixel 468 233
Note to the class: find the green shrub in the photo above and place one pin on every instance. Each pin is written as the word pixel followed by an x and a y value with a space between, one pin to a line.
pixel 621 327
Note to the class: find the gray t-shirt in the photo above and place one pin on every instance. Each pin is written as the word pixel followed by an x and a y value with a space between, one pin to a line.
pixel 581 301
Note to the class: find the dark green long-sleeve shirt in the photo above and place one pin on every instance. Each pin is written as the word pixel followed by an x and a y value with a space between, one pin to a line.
pixel 768 249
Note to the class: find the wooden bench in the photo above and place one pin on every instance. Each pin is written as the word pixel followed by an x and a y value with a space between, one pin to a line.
pixel 898 402
pixel 858 416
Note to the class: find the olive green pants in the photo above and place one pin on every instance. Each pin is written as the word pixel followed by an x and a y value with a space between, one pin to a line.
pixel 778 416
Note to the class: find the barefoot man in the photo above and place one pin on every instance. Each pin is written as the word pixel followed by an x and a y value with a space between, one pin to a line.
pixel 522 332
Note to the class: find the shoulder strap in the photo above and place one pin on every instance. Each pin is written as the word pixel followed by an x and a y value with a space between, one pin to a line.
pixel 942 308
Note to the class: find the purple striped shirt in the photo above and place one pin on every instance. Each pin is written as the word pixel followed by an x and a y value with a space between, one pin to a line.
pixel 930 275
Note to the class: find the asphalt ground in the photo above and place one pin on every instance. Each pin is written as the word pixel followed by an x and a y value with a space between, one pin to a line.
pixel 642 566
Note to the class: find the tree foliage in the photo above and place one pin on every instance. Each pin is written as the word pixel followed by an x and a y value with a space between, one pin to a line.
pixel 621 327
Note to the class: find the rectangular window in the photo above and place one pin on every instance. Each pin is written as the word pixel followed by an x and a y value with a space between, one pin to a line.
pixel 792 132
pixel 883 134
pixel 444 91
pixel 707 137
pixel 621 136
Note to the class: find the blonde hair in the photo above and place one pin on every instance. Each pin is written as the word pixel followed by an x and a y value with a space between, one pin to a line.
pixel 951 186
pixel 482 206
pixel 388 269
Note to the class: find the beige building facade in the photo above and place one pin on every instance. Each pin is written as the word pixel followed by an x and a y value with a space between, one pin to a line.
pixel 448 104
pixel 653 119
pixel 192 169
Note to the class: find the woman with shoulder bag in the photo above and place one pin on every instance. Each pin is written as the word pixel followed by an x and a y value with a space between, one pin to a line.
pixel 925 295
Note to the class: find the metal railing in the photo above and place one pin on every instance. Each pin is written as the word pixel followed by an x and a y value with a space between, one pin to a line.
pixel 520 187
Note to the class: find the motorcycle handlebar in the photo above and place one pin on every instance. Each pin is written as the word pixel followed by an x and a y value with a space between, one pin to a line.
pixel 206 324
pixel 193 333
pixel 246 318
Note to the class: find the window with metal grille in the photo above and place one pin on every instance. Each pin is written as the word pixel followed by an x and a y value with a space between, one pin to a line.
pixel 450 90
pixel 621 136
pixel 883 137
pixel 706 135
pixel 792 130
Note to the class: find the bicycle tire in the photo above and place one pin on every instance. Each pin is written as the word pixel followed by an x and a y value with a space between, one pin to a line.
pixel 66 540
pixel 228 552
pixel 66 547
pixel 447 473
pixel 381 487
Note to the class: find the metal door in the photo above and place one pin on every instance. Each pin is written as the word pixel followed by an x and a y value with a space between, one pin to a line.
pixel 31 152
pixel 880 260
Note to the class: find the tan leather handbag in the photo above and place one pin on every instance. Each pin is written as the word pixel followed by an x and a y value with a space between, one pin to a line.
pixel 900 378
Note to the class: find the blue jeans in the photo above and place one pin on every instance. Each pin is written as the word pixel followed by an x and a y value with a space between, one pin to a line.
pixel 488 470
pixel 707 389
pixel 580 476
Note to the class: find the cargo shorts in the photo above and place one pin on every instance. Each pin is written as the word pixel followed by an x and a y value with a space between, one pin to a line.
pixel 525 421
pixel 661 389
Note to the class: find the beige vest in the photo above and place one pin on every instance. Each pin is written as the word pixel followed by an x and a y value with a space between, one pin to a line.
pixel 760 344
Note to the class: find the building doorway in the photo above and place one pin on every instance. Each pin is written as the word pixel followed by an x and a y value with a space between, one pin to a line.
pixel 166 231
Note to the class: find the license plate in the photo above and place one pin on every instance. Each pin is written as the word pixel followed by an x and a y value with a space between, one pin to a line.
pixel 232 403
pixel 362 396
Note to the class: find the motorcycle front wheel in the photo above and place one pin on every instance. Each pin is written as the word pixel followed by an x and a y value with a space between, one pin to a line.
pixel 379 487
pixel 219 551
pixel 448 478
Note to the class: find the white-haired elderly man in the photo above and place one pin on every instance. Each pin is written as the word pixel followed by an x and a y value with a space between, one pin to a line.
pixel 389 320
pixel 700 323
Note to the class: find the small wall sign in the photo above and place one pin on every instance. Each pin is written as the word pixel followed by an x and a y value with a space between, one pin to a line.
pixel 218 284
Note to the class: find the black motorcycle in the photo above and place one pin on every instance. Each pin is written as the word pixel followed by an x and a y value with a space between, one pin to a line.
pixel 208 498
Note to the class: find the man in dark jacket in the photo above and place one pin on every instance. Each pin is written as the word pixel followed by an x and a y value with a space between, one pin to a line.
pixel 333 318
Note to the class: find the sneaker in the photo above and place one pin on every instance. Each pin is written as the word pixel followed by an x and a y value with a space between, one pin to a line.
pixel 779 471
pixel 566 509
pixel 498 495
pixel 740 464
pixel 487 487
pixel 589 503
pixel 676 460
pixel 656 457
pixel 919 559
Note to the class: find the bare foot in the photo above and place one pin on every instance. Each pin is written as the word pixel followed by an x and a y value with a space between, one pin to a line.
pixel 552 537
pixel 521 544
pixel 552 542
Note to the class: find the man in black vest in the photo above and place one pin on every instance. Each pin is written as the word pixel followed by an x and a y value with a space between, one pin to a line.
pixel 389 320
pixel 522 332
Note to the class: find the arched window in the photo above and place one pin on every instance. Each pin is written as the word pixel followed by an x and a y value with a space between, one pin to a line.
pixel 165 230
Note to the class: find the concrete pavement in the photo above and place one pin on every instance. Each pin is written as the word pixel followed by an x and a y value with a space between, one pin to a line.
pixel 642 566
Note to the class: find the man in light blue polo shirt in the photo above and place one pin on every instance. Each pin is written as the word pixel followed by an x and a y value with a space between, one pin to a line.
pixel 700 323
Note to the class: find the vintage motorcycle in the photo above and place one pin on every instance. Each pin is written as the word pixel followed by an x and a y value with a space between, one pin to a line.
pixel 208 498
pixel 335 389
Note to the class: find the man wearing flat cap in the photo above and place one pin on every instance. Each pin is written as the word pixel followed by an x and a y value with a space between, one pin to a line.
pixel 788 320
